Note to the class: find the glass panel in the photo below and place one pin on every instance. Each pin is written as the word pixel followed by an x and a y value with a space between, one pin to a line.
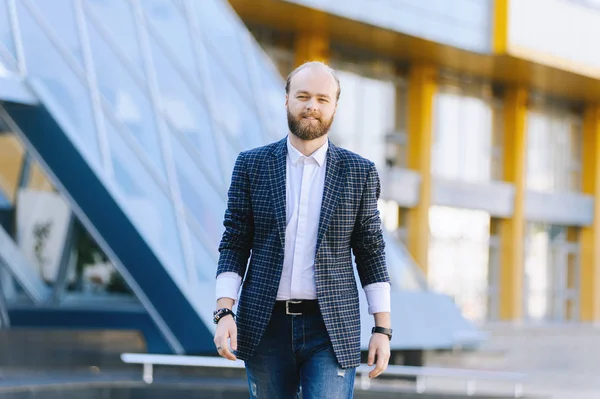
pixel 365 115
pixel 459 257
pixel 145 203
pixel 94 272
pixel 130 104
pixel 40 227
pixel 241 122
pixel 205 261
pixel 185 112
pixel 553 149
pixel 538 284
pixel 60 14
pixel 67 98
pixel 199 195
pixel 173 30
pixel 42 222
pixel 462 147
pixel 6 36
pixel 11 161
pixel 221 34
pixel 271 94
pixel 38 179
pixel 116 19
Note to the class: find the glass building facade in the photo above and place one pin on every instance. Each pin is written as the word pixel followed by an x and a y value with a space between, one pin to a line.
pixel 122 120
pixel 115 177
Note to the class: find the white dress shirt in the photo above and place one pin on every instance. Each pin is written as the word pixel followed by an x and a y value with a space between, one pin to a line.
pixel 305 181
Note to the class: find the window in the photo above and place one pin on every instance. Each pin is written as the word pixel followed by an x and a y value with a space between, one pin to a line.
pixel 465 140
pixel 554 140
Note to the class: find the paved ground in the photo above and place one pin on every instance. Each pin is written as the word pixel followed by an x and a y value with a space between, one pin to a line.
pixel 563 360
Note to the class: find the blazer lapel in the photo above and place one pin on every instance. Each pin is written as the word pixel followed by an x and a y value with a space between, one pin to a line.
pixel 335 178
pixel 277 172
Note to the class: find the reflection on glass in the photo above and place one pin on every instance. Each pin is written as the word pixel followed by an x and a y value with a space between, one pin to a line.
pixel 60 14
pixel 170 25
pixel 551 267
pixel 365 114
pixel 129 101
pixel 185 112
pixel 271 94
pixel 462 148
pixel 94 272
pixel 225 31
pixel 8 52
pixel 240 122
pixel 116 18
pixel 199 195
pixel 459 257
pixel 204 260
pixel 145 203
pixel 62 91
pixel 11 161
pixel 39 223
pixel 554 140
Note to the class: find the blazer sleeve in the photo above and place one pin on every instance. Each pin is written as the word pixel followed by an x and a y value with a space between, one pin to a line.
pixel 237 238
pixel 367 240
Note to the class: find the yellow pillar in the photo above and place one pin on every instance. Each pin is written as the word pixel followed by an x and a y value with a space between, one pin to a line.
pixel 312 43
pixel 500 34
pixel 512 230
pixel 422 86
pixel 590 235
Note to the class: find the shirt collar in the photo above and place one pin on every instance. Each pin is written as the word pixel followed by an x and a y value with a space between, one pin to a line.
pixel 320 155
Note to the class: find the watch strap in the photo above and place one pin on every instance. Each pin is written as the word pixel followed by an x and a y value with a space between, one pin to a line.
pixel 220 313
pixel 383 330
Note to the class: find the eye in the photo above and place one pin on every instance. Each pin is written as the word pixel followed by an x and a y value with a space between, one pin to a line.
pixel 301 97
pixel 323 100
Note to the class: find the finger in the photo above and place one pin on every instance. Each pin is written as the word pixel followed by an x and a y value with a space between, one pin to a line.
pixel 379 367
pixel 225 352
pixel 233 337
pixel 371 358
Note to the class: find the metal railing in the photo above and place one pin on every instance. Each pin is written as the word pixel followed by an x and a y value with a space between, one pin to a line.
pixel 421 373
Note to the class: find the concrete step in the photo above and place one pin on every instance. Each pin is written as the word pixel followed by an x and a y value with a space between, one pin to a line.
pixel 46 348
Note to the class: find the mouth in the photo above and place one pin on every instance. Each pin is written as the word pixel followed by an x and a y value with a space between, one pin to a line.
pixel 310 118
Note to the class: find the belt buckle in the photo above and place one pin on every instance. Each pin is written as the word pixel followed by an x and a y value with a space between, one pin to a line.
pixel 287 308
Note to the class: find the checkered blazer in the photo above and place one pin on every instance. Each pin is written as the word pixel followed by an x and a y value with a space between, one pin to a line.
pixel 255 222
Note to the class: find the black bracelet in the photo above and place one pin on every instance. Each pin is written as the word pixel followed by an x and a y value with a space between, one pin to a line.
pixel 220 313
pixel 382 330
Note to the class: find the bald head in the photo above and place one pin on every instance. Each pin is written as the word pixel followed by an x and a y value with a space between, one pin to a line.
pixel 312 93
pixel 314 70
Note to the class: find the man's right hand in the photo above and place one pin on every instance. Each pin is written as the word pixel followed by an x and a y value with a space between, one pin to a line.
pixel 226 329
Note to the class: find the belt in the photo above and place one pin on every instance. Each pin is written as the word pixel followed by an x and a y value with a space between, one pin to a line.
pixel 298 307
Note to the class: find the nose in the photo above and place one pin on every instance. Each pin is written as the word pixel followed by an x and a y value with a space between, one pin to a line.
pixel 311 105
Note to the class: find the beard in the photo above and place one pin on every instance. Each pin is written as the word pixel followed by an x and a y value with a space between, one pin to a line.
pixel 307 129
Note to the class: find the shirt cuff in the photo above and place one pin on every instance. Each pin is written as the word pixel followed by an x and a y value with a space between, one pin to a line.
pixel 378 297
pixel 228 285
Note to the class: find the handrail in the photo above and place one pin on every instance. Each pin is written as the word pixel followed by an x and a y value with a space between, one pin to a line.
pixel 422 373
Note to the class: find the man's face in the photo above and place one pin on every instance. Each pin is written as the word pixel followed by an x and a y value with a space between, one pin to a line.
pixel 311 103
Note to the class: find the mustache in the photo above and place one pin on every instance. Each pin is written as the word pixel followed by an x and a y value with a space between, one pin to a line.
pixel 311 115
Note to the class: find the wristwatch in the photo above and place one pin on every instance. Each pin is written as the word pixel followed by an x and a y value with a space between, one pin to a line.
pixel 220 313
pixel 382 330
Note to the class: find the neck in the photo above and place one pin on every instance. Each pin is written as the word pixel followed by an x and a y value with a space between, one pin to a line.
pixel 307 147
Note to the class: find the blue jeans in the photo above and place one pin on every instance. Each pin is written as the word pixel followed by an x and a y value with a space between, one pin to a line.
pixel 295 354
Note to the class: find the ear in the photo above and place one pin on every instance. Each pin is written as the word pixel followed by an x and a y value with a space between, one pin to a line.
pixel 286 100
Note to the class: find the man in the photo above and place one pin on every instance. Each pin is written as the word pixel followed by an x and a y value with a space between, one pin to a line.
pixel 301 206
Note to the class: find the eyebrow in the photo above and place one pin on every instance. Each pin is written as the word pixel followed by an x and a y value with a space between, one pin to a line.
pixel 306 92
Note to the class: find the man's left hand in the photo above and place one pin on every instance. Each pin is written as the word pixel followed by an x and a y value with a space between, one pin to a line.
pixel 379 349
